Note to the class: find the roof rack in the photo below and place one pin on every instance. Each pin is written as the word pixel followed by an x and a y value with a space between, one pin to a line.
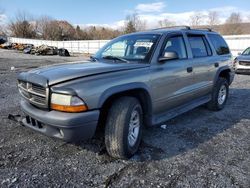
pixel 203 29
pixel 183 27
pixel 174 27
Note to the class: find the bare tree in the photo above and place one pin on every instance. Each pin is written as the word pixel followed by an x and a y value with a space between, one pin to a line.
pixel 213 18
pixel 166 23
pixel 79 33
pixel 134 23
pixel 197 19
pixel 50 29
pixel 232 25
pixel 2 25
pixel 22 26
pixel 42 25
pixel 234 18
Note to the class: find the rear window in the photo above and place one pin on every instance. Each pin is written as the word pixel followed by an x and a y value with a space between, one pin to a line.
pixel 219 44
pixel 199 46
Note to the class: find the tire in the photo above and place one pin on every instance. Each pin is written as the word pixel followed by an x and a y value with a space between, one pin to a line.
pixel 118 137
pixel 217 104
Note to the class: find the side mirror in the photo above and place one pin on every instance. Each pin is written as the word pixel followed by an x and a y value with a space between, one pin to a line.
pixel 239 53
pixel 92 58
pixel 169 56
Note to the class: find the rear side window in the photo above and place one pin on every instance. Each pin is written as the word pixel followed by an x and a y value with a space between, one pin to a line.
pixel 219 44
pixel 199 46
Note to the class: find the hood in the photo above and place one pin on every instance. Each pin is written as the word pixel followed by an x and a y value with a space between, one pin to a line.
pixel 62 72
pixel 243 58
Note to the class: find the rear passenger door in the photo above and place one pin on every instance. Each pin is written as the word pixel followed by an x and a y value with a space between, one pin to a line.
pixel 203 64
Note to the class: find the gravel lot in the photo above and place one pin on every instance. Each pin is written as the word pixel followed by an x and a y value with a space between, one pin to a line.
pixel 197 149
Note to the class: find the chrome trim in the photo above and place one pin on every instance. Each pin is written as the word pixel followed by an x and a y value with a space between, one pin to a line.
pixel 28 92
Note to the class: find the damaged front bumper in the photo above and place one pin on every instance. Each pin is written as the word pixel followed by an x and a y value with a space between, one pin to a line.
pixel 69 127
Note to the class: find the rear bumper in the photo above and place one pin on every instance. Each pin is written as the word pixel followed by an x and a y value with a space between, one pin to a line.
pixel 66 126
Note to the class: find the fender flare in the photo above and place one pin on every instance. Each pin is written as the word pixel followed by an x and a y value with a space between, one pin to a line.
pixel 122 88
pixel 227 68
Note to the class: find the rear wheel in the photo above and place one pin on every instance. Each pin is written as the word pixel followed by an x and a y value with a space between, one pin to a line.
pixel 219 95
pixel 124 127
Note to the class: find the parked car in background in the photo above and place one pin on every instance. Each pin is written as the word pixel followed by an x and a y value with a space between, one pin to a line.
pixel 136 80
pixel 242 62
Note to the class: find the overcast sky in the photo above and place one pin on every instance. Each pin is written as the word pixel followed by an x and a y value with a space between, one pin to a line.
pixel 113 12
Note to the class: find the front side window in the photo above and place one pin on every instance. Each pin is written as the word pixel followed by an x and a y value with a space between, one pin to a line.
pixel 176 44
pixel 199 46
pixel 130 48
pixel 219 44
pixel 246 52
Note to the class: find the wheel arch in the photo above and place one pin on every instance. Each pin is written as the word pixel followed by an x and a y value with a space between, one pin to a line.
pixel 224 72
pixel 137 90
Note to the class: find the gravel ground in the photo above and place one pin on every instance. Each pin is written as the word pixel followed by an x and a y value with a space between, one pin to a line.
pixel 197 149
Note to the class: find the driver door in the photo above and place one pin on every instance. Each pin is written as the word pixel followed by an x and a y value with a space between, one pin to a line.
pixel 171 79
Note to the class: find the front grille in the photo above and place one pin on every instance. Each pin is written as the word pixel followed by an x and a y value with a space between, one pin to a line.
pixel 245 63
pixel 39 89
pixel 34 93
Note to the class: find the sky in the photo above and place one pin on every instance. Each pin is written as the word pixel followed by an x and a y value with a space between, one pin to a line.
pixel 113 12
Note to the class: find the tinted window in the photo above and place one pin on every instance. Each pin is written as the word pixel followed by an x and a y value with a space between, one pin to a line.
pixel 176 44
pixel 219 44
pixel 199 46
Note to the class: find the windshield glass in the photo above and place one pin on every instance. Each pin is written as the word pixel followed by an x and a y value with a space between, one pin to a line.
pixel 129 48
pixel 246 52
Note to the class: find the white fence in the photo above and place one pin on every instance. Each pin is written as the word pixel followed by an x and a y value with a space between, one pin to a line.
pixel 237 43
pixel 78 46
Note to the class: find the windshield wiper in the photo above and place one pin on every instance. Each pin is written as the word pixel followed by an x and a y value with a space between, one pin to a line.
pixel 114 58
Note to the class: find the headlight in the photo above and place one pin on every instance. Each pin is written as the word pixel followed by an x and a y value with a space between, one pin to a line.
pixel 67 103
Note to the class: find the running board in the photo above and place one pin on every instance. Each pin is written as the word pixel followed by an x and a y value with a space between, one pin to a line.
pixel 158 119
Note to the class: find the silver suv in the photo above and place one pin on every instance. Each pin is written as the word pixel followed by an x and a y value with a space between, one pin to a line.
pixel 242 62
pixel 136 80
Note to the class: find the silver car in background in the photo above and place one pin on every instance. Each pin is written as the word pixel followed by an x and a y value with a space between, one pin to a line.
pixel 242 62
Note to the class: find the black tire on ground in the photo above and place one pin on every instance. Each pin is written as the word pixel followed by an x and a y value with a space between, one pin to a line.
pixel 117 127
pixel 214 103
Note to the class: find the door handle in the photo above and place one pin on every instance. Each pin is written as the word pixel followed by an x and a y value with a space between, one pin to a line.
pixel 216 64
pixel 190 69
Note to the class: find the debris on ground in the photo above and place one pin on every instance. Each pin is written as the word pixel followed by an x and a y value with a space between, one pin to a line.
pixel 31 49
pixel 45 50
pixel 16 118
pixel 63 52
pixel 6 45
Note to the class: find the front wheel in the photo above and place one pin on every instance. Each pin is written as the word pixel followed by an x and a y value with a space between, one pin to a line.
pixel 124 127
pixel 219 95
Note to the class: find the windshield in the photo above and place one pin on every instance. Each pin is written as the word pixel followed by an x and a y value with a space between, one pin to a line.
pixel 129 48
pixel 246 52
